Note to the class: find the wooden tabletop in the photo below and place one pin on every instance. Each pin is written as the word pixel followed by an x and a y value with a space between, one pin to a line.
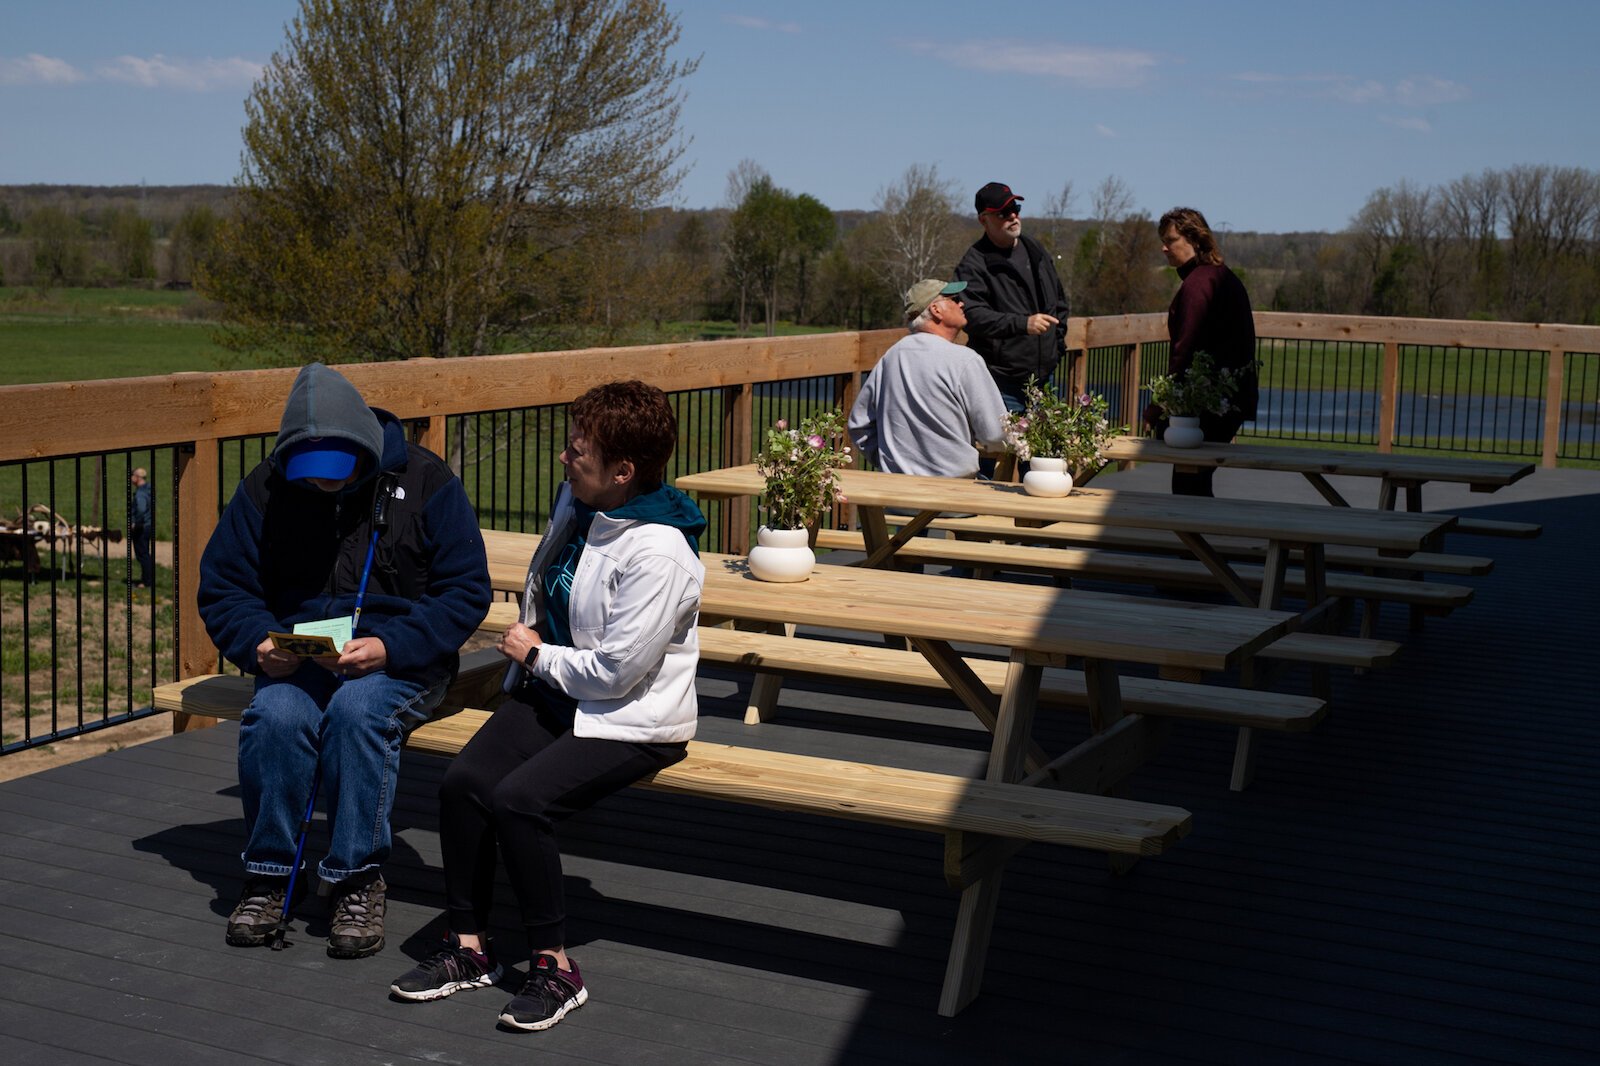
pixel 1299 523
pixel 1044 620
pixel 1484 475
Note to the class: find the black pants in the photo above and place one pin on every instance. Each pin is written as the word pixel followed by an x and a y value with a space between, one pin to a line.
pixel 522 774
pixel 144 550
pixel 1220 429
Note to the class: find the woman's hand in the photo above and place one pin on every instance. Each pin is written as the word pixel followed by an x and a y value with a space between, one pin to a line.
pixel 515 643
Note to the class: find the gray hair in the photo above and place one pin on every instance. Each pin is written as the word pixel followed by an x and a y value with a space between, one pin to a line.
pixel 921 322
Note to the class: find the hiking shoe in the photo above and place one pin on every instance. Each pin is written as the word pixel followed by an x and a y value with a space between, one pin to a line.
pixel 451 969
pixel 546 997
pixel 355 929
pixel 260 906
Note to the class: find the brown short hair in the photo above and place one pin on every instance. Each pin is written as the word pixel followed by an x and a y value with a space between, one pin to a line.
pixel 1191 226
pixel 633 421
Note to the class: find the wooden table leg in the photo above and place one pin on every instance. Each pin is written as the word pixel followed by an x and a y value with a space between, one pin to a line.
pixel 963 975
pixel 765 688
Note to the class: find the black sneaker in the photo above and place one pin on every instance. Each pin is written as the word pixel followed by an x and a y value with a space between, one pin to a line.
pixel 546 997
pixel 451 969
pixel 260 905
pixel 355 929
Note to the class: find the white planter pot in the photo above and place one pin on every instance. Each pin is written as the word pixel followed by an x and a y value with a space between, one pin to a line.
pixel 1047 477
pixel 1183 431
pixel 782 555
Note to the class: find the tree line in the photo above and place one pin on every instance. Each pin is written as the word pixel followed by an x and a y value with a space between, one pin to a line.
pixel 445 177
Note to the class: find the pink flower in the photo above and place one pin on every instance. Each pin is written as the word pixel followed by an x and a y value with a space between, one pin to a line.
pixel 1085 400
pixel 815 441
pixel 782 423
pixel 841 497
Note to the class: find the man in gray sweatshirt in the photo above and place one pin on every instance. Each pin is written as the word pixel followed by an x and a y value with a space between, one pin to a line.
pixel 929 399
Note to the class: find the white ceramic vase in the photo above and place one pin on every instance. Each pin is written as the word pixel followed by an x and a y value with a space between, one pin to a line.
pixel 782 555
pixel 1047 477
pixel 1183 431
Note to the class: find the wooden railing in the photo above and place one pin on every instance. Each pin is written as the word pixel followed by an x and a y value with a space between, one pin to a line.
pixel 197 411
pixel 1556 342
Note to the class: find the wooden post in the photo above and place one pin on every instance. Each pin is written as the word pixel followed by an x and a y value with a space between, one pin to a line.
pixel 1132 415
pixel 1388 396
pixel 196 513
pixel 738 408
pixel 433 435
pixel 1554 384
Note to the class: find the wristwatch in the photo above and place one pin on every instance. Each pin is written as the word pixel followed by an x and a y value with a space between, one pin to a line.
pixel 532 657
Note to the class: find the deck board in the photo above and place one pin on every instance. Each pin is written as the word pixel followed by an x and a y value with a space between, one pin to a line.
pixel 1410 881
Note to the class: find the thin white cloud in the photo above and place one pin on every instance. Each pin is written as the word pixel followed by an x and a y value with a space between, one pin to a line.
pixel 1105 131
pixel 35 69
pixel 751 22
pixel 1359 92
pixel 1407 122
pixel 1418 90
pixel 1090 67
pixel 190 75
pixel 1422 91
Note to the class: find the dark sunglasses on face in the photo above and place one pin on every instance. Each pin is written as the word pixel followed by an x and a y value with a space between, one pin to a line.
pixel 1009 211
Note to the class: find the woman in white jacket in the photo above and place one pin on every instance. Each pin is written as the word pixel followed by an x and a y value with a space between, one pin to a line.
pixel 601 687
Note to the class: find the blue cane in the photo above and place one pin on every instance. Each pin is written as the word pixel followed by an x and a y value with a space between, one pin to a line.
pixel 282 931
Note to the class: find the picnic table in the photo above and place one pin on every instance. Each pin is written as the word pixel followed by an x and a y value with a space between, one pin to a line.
pixel 1036 627
pixel 1396 472
pixel 1286 527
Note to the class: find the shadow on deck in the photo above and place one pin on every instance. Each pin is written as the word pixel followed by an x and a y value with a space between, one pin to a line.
pixel 1411 882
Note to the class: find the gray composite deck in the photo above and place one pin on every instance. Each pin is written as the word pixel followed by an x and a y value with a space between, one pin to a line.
pixel 1414 881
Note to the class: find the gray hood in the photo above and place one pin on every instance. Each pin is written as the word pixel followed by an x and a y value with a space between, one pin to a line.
pixel 323 403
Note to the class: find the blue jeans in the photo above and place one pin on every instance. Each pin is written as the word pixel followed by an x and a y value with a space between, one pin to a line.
pixel 358 727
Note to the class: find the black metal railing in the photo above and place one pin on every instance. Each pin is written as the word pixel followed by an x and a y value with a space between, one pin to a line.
pixel 82 642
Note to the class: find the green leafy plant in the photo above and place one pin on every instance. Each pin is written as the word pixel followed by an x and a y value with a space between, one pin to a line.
pixel 1052 427
pixel 801 467
pixel 1203 389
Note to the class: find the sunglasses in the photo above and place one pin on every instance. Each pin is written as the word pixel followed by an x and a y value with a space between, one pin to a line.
pixel 1004 212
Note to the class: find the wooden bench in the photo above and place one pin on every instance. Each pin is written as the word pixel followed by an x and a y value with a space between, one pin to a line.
pixel 1161 541
pixel 1490 527
pixel 775 654
pixel 1147 569
pixel 983 822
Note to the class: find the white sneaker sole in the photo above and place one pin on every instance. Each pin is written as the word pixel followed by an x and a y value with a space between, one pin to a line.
pixel 492 977
pixel 534 1027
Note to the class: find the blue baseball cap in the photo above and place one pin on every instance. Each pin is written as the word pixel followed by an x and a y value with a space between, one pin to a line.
pixel 333 458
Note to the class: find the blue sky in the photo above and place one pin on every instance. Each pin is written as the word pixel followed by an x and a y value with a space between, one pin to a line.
pixel 1265 115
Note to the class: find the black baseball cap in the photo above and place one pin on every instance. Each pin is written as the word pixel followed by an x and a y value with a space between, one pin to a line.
pixel 995 197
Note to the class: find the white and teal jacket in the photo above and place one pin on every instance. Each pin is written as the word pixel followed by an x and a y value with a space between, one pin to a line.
pixel 635 605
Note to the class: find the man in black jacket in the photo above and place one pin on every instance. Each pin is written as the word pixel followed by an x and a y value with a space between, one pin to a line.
pixel 1016 308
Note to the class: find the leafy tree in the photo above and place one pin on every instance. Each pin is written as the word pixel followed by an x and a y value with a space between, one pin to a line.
pixel 59 254
pixel 773 229
pixel 133 244
pixel 193 237
pixel 412 166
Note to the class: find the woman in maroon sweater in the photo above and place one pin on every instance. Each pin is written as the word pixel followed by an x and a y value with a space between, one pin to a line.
pixel 1210 313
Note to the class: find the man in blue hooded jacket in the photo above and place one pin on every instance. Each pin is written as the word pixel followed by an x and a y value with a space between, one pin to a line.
pixel 345 522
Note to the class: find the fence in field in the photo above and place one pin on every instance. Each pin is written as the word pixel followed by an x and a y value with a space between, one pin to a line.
pixel 80 649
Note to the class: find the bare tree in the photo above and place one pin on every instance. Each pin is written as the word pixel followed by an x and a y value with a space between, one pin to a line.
pixel 1057 210
pixel 919 235
pixel 739 254
pixel 1113 202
